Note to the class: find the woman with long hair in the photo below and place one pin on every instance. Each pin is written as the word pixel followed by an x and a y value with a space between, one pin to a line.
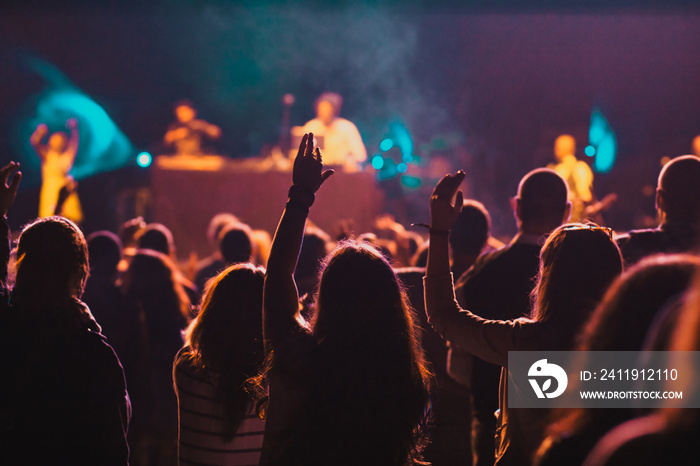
pixel 351 387
pixel 63 398
pixel 670 434
pixel 577 264
pixel 152 289
pixel 218 424
pixel 620 323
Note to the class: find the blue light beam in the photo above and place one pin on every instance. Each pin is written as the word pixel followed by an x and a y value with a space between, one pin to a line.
pixel 102 146
pixel 603 140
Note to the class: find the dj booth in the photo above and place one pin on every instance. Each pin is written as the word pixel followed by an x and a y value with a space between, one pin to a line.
pixel 187 192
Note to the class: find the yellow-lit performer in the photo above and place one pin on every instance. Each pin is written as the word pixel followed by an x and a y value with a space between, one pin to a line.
pixel 577 174
pixel 57 157
pixel 337 137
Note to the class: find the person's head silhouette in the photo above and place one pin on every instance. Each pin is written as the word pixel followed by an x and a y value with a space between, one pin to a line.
pixel 678 190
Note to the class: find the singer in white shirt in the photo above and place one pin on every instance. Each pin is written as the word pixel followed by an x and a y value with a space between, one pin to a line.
pixel 338 138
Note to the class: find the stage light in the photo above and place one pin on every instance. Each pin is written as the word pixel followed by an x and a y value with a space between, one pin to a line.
pixel 411 182
pixel 597 130
pixel 602 137
pixel 402 138
pixel 144 159
pixel 386 144
pixel 402 167
pixel 605 157
pixel 589 151
pixel 378 162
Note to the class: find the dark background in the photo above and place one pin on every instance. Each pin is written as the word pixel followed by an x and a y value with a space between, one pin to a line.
pixel 489 85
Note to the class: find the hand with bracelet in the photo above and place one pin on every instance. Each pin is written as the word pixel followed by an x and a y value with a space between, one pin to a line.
pixel 307 175
pixel 280 295
pixel 443 214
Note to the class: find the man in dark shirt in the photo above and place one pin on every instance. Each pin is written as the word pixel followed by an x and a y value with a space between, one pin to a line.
pixel 63 399
pixel 498 286
pixel 678 202
pixel 469 236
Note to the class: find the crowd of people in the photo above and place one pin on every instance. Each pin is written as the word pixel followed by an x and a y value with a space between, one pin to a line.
pixel 387 347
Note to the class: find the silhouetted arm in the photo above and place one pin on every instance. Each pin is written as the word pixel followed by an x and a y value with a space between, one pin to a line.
pixel 280 296
pixel 7 197
pixel 489 340
pixel 72 148
pixel 36 137
pixel 442 216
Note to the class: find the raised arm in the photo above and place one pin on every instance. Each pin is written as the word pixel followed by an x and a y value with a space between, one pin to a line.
pixel 7 197
pixel 442 216
pixel 487 339
pixel 72 125
pixel 35 139
pixel 210 129
pixel 280 296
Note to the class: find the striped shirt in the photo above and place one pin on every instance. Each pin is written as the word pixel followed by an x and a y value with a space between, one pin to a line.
pixel 200 417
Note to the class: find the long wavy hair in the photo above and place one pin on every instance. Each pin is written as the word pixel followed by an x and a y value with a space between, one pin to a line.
pixel 225 340
pixel 624 316
pixel 52 267
pixel 686 337
pixel 373 383
pixel 577 265
pixel 621 323
pixel 150 282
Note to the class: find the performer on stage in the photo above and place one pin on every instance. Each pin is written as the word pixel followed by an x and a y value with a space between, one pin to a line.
pixel 187 132
pixel 577 174
pixel 57 157
pixel 337 137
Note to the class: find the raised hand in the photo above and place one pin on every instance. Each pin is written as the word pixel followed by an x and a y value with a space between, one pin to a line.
pixel 72 123
pixel 39 132
pixel 8 192
pixel 281 316
pixel 443 214
pixel 308 174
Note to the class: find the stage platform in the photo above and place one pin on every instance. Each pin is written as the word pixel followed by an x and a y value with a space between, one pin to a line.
pixel 187 193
